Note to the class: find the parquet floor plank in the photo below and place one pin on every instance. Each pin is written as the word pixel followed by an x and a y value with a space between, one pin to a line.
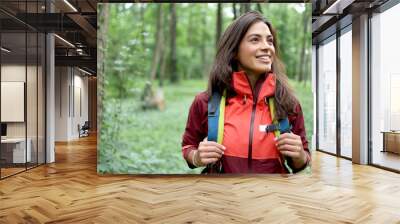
pixel 70 191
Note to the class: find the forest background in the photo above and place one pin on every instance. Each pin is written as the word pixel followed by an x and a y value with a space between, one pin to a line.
pixel 152 61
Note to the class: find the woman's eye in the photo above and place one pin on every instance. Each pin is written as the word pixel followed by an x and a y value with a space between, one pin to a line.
pixel 254 40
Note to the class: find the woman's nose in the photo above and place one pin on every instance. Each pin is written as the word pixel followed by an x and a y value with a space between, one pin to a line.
pixel 265 45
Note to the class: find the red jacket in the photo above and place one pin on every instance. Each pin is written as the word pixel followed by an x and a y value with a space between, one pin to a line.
pixel 239 140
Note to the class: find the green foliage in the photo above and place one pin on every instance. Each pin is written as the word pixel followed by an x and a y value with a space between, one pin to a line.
pixel 132 40
pixel 305 96
pixel 136 141
pixel 288 22
pixel 127 53
pixel 149 142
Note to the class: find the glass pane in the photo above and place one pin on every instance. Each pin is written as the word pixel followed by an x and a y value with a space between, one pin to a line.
pixel 32 83
pixel 31 97
pixel 13 87
pixel 327 96
pixel 386 89
pixel 41 99
pixel 346 94
pixel 23 79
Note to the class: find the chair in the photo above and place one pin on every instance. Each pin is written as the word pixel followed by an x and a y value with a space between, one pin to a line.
pixel 84 130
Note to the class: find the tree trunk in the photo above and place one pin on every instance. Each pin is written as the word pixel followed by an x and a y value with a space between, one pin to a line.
pixel 158 47
pixel 164 59
pixel 244 7
pixel 165 54
pixel 234 11
pixel 121 85
pixel 284 43
pixel 219 23
pixel 259 8
pixel 173 71
pixel 191 32
pixel 307 70
pixel 143 25
pixel 102 45
pixel 162 69
pixel 302 65
pixel 203 43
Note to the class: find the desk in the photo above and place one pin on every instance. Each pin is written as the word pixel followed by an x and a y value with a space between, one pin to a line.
pixel 391 141
pixel 16 148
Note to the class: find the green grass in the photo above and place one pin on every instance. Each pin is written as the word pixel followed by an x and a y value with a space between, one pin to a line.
pixel 149 142
pixel 304 94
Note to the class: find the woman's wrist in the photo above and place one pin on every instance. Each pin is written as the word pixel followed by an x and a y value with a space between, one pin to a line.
pixel 195 159
pixel 300 162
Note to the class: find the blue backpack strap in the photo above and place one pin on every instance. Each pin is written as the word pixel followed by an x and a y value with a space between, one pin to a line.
pixel 213 116
pixel 282 126
pixel 216 113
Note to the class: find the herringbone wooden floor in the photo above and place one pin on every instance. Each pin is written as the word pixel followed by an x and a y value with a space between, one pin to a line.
pixel 70 191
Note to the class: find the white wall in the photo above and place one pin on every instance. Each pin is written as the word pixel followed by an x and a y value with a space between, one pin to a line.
pixel 13 73
pixel 12 101
pixel 33 126
pixel 16 73
pixel 81 100
pixel 62 81
pixel 71 87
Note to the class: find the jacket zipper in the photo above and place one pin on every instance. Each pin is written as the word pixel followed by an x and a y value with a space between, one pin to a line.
pixel 253 115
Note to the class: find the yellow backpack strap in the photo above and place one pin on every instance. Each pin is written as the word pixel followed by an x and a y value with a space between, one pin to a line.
pixel 221 118
pixel 216 117
pixel 277 132
pixel 271 102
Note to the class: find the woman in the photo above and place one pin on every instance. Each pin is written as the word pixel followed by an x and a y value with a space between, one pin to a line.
pixel 247 66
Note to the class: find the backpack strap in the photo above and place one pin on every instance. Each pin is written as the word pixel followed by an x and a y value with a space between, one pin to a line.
pixel 284 127
pixel 216 115
pixel 281 126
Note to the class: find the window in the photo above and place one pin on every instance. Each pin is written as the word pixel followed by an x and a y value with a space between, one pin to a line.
pixel 327 96
pixel 385 88
pixel 346 74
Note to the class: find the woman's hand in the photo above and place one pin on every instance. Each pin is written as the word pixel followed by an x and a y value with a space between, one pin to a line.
pixel 208 152
pixel 291 145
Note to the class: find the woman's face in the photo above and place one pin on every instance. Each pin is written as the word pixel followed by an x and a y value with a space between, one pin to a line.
pixel 256 50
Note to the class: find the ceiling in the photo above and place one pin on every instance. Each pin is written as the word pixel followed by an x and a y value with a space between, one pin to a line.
pixel 330 15
pixel 74 22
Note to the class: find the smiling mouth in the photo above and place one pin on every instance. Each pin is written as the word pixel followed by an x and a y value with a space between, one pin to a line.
pixel 264 58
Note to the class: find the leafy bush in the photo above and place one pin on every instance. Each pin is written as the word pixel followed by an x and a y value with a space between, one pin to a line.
pixel 149 142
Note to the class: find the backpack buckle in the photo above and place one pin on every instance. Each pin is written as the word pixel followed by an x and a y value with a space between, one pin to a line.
pixel 271 127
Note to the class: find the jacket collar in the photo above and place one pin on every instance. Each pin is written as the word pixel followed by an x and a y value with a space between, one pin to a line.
pixel 242 86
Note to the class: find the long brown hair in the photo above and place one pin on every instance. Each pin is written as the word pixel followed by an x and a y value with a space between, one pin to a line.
pixel 225 64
